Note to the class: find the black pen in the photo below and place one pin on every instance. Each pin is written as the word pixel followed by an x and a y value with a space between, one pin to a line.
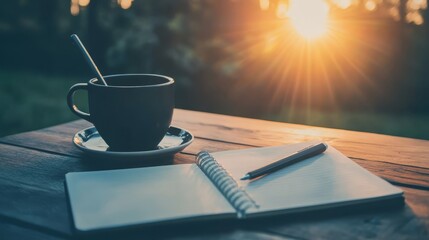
pixel 295 157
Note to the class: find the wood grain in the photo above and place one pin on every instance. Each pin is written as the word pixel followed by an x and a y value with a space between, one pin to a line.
pixel 40 175
pixel 59 142
pixel 56 139
pixel 408 222
pixel 252 132
pixel 368 146
pixel 33 164
pixel 10 231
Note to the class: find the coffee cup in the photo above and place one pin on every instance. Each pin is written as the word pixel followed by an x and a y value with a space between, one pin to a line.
pixel 132 113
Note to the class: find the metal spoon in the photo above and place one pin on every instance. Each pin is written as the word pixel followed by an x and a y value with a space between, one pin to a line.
pixel 88 58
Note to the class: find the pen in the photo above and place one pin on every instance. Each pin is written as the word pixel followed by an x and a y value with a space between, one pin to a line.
pixel 295 157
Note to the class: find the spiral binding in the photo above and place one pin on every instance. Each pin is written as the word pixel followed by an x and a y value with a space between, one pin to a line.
pixel 237 197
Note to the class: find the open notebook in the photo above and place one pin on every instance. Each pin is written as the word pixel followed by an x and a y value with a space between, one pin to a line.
pixel 212 188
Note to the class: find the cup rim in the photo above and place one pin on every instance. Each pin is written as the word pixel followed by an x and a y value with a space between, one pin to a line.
pixel 169 80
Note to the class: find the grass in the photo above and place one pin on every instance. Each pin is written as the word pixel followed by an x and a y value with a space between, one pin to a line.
pixel 31 101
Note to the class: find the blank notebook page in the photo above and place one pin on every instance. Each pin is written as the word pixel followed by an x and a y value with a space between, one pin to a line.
pixel 327 179
pixel 115 198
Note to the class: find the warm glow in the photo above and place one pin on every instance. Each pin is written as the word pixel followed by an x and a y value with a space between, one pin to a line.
pixel 264 4
pixel 416 4
pixel 74 10
pixel 83 3
pixel 394 2
pixel 418 20
pixel 309 17
pixel 370 5
pixel 414 17
pixel 270 43
pixel 282 9
pixel 74 7
pixel 125 4
pixel 343 3
pixel 394 12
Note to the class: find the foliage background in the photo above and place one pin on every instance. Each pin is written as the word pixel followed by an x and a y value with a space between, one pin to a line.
pixel 219 54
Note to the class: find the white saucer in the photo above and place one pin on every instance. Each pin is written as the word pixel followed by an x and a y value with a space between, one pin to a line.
pixel 89 141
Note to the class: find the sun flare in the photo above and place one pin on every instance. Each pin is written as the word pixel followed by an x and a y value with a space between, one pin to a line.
pixel 309 17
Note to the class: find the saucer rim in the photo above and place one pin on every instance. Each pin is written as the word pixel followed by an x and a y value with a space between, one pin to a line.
pixel 172 150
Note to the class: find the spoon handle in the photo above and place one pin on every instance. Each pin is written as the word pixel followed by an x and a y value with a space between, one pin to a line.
pixel 88 58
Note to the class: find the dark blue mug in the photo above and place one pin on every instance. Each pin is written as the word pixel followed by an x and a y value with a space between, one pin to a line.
pixel 132 113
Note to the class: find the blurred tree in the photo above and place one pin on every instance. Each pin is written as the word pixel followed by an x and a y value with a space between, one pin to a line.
pixel 230 56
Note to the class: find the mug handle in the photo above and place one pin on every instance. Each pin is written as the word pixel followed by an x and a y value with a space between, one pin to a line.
pixel 72 106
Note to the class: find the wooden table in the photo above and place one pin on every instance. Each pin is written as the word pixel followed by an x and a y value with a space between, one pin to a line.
pixel 33 203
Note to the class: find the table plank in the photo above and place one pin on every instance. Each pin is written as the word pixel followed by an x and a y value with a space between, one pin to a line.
pixel 397 223
pixel 368 146
pixel 33 192
pixel 252 132
pixel 32 187
pixel 402 175
pixel 9 231
pixel 239 234
pixel 57 139
pixel 40 175
pixel 37 161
